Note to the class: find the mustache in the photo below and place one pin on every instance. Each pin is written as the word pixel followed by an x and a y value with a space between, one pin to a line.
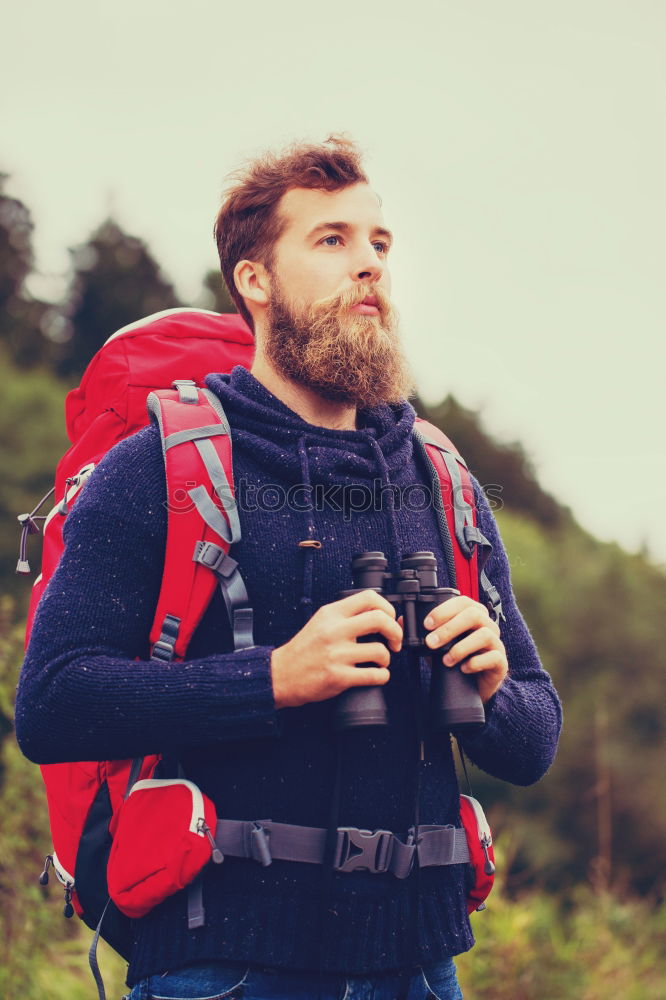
pixel 350 297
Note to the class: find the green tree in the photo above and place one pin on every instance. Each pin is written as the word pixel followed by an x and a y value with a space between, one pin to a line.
pixel 23 319
pixel 32 440
pixel 116 281
pixel 495 463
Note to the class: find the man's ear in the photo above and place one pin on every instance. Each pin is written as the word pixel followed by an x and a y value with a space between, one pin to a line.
pixel 252 281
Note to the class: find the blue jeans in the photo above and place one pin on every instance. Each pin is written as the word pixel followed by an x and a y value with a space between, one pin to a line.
pixel 234 981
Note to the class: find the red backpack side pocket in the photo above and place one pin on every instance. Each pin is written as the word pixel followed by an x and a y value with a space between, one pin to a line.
pixel 481 854
pixel 165 836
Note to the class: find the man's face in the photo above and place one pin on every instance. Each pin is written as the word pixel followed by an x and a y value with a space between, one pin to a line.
pixel 331 326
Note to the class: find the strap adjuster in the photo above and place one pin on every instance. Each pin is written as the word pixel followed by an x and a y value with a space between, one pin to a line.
pixel 162 651
pixel 365 850
pixel 257 839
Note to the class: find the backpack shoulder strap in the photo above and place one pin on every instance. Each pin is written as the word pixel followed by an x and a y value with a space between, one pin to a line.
pixel 202 522
pixel 470 548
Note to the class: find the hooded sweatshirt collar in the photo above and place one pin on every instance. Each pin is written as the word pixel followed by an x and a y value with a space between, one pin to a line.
pixel 380 447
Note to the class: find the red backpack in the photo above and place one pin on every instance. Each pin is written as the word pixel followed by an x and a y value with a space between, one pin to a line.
pixel 162 361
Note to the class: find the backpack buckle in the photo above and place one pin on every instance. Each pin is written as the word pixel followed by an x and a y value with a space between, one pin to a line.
pixel 363 850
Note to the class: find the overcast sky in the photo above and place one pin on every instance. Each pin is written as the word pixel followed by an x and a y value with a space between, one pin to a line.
pixel 519 148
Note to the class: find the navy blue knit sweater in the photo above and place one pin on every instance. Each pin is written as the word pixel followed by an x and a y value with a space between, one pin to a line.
pixel 83 696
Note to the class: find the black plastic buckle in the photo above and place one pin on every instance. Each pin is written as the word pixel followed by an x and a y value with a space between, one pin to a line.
pixel 363 850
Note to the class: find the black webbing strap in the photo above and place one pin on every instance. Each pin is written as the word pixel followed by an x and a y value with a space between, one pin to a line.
pixel 92 955
pixel 135 771
pixel 376 851
pixel 493 600
pixel 196 915
pixel 165 646
pixel 233 590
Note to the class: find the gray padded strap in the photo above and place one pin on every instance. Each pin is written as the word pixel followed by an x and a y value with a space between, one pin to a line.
pixel 194 434
pixel 356 850
pixel 442 845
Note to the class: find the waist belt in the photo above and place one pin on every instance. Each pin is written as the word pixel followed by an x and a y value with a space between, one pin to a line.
pixel 375 851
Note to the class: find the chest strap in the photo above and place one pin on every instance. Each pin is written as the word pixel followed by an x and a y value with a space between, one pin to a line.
pixel 375 851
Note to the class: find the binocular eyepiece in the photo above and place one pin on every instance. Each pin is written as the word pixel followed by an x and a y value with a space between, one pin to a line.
pixel 454 700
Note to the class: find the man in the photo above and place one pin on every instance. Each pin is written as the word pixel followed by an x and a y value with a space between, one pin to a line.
pixel 303 248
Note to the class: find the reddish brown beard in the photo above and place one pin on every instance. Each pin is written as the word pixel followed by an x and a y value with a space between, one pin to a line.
pixel 343 356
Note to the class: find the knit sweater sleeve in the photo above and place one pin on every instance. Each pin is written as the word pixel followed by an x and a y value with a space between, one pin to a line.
pixel 83 694
pixel 523 719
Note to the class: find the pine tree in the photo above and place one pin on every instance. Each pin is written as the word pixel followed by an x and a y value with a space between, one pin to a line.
pixel 116 281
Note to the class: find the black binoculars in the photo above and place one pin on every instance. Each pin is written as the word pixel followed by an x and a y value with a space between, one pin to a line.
pixel 454 700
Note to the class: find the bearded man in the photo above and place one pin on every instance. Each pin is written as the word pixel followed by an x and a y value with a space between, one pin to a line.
pixel 303 249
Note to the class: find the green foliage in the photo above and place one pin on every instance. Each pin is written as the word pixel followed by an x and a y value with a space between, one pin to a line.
pixel 41 953
pixel 116 281
pixel 595 614
pixel 32 440
pixel 495 464
pixel 586 946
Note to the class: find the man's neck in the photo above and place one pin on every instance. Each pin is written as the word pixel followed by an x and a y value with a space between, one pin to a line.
pixel 308 404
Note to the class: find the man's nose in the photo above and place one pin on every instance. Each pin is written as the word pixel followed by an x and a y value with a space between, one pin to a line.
pixel 368 266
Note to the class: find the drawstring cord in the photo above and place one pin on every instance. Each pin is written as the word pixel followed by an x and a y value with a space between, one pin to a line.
pixel 386 480
pixel 310 544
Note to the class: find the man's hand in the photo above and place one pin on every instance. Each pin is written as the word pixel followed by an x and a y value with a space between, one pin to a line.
pixel 320 661
pixel 482 652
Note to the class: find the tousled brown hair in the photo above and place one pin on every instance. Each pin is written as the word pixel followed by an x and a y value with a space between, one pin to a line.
pixel 248 224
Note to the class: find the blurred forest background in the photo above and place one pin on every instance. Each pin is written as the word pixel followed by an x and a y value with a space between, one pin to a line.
pixel 577 911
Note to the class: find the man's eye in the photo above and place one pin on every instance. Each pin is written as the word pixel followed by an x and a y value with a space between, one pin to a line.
pixel 380 246
pixel 331 237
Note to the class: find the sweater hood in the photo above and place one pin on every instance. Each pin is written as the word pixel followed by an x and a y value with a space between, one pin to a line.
pixel 293 451
pixel 381 447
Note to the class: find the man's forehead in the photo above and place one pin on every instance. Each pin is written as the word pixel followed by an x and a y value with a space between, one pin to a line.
pixel 304 208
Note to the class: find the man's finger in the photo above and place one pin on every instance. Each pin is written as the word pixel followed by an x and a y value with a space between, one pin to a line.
pixel 470 616
pixel 365 600
pixel 376 620
pixel 365 676
pixel 478 641
pixel 370 652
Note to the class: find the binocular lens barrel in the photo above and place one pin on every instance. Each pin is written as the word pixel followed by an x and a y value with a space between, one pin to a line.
pixel 454 699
